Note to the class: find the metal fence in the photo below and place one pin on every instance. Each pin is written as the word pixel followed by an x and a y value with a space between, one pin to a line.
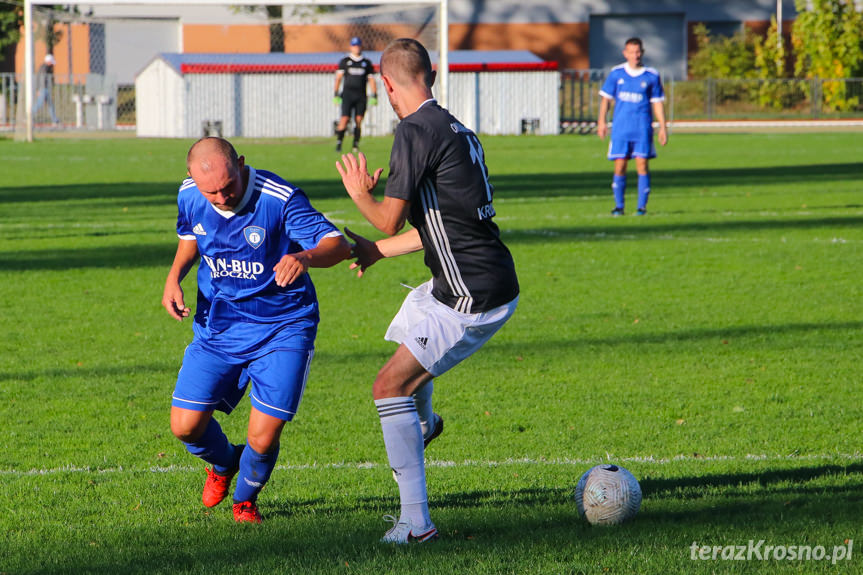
pixel 69 102
pixel 96 102
pixel 720 99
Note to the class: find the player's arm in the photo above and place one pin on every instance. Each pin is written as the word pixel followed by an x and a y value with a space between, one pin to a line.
pixel 368 252
pixel 331 249
pixel 339 74
pixel 172 297
pixel 388 215
pixel 373 87
pixel 659 114
pixel 601 125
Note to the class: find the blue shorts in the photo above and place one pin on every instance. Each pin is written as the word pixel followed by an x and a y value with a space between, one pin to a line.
pixel 211 380
pixel 625 148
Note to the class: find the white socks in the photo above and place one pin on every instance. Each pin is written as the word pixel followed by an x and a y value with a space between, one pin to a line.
pixel 423 402
pixel 403 438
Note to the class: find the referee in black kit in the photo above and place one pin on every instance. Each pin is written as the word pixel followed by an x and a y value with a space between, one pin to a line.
pixel 357 71
pixel 438 182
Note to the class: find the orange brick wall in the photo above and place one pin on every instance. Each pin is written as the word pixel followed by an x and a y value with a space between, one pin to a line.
pixel 565 43
pixel 74 36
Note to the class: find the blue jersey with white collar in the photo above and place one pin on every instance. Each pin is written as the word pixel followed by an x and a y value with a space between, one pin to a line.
pixel 240 307
pixel 633 92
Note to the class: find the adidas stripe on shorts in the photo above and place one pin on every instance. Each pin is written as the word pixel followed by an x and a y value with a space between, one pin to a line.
pixel 440 337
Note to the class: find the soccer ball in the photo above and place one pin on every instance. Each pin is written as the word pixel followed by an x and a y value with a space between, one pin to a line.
pixel 607 495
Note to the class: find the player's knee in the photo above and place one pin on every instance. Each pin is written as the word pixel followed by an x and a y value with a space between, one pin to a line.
pixel 185 433
pixel 385 386
pixel 263 442
pixel 188 428
pixel 388 384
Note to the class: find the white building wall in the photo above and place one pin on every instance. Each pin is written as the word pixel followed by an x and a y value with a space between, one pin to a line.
pixel 300 104
pixel 159 101
pixel 212 98
pixel 497 102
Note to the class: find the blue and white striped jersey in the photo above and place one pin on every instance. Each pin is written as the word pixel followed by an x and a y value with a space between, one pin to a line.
pixel 240 307
pixel 633 92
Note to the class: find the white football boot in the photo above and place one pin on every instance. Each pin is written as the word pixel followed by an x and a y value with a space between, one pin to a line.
pixel 404 532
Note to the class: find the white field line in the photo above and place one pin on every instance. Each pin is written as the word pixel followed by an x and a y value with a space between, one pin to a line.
pixel 641 459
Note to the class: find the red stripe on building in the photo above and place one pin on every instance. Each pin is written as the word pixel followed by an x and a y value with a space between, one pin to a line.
pixel 504 67
pixel 214 68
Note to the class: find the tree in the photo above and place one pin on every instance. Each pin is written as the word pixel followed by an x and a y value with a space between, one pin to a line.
pixel 10 25
pixel 827 42
pixel 776 90
pixel 723 56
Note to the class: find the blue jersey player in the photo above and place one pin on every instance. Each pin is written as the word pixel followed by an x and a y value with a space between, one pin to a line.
pixel 256 317
pixel 638 98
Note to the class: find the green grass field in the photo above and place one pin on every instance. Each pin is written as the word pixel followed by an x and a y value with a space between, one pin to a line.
pixel 713 348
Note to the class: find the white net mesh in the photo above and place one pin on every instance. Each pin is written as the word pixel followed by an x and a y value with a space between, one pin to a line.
pixel 102 51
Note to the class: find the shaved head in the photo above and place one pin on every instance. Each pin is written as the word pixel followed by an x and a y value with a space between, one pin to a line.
pixel 206 153
pixel 218 171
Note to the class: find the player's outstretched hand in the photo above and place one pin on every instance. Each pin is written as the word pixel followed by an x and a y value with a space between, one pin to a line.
pixel 355 175
pixel 365 251
pixel 172 300
pixel 290 267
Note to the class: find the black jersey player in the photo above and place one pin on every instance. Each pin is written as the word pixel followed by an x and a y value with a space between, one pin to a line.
pixel 438 182
pixel 356 71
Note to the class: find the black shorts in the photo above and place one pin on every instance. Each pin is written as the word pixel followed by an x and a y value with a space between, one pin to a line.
pixel 353 101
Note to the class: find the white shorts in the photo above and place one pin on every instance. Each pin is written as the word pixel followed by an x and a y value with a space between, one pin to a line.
pixel 438 336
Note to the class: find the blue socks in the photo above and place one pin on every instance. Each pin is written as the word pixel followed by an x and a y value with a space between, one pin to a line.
pixel 255 471
pixel 618 185
pixel 643 190
pixel 255 468
pixel 214 448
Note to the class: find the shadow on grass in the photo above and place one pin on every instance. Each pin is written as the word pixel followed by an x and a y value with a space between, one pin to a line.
pixel 722 336
pixel 573 184
pixel 131 256
pixel 151 193
pixel 161 254
pixel 792 480
pixel 639 229
pixel 486 525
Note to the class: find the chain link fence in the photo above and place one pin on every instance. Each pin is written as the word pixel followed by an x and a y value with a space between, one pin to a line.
pixel 720 99
pixel 96 102
pixel 68 102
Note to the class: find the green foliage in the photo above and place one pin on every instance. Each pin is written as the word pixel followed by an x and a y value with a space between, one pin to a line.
pixel 712 347
pixel 827 43
pixel 723 56
pixel 770 60
pixel 10 25
pixel 770 53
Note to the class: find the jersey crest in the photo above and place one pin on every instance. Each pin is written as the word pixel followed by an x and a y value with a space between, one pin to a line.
pixel 254 235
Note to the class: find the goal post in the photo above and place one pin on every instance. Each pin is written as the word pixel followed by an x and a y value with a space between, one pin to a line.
pixel 327 8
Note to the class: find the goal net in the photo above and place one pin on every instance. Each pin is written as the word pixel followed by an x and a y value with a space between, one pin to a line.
pixel 178 69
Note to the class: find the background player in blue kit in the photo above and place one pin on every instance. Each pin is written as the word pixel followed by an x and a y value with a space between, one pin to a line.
pixel 438 182
pixel 635 90
pixel 356 71
pixel 256 316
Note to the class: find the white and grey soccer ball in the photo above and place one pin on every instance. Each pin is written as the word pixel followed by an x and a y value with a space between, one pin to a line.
pixel 607 495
